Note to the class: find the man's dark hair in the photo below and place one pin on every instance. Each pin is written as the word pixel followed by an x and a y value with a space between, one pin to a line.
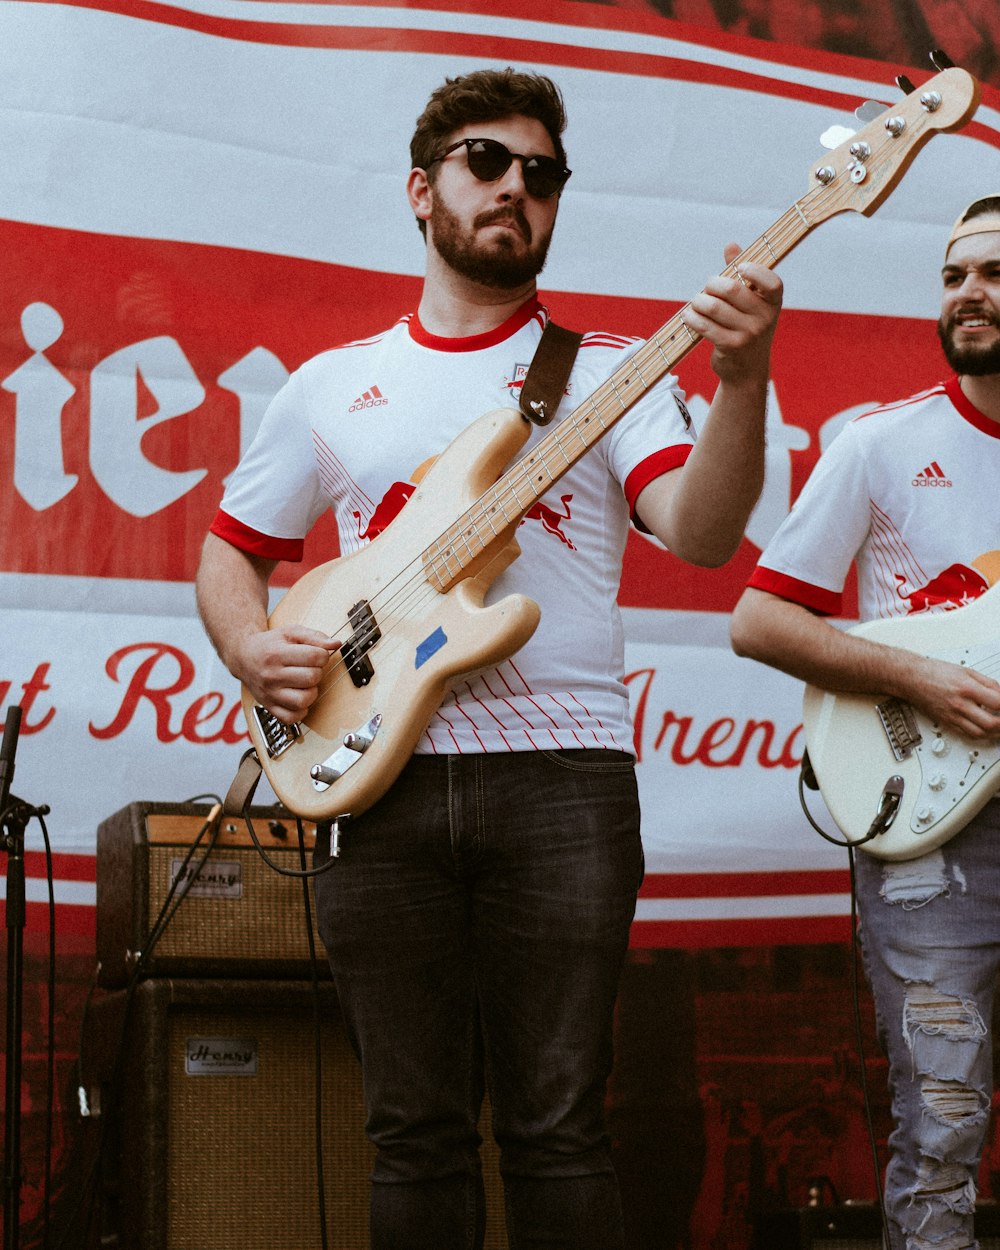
pixel 485 95
pixel 979 208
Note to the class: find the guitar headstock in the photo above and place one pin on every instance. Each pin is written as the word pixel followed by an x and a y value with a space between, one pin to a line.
pixel 860 173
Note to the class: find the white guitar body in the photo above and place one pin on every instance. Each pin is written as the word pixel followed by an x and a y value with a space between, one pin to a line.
pixel 428 635
pixel 863 748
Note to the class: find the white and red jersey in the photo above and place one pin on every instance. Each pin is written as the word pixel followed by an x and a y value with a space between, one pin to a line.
pixel 352 431
pixel 909 493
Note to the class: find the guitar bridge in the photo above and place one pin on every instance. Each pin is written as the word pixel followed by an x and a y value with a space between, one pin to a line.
pixel 900 727
pixel 278 737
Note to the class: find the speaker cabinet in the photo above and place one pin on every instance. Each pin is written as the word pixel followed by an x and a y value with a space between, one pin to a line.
pixel 239 918
pixel 847 1226
pixel 206 1091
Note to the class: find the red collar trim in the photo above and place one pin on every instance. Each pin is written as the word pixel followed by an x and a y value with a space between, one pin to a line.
pixel 969 411
pixel 476 342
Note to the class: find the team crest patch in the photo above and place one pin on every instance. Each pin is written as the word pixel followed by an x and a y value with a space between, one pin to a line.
pixel 516 380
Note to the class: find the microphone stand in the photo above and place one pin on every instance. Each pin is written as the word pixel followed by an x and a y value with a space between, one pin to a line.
pixel 14 817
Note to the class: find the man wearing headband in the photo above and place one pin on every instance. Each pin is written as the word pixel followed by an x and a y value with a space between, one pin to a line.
pixel 478 914
pixel 908 493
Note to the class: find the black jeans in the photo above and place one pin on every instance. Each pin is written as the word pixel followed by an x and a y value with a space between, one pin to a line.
pixel 476 923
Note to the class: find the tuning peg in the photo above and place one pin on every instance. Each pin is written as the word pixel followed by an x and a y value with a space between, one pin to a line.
pixel 904 84
pixel 941 60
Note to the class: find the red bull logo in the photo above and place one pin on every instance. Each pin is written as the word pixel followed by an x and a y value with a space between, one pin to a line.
pixel 386 510
pixel 953 587
pixel 551 520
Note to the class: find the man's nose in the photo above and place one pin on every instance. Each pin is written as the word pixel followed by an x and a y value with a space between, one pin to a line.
pixel 510 185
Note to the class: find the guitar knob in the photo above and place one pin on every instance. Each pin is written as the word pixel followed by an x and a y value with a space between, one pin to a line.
pixel 940 746
pixel 324 774
pixel 925 816
pixel 938 781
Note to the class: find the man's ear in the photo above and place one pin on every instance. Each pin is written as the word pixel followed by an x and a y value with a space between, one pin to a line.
pixel 420 194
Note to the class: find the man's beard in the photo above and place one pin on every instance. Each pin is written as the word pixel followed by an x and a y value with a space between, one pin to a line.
pixel 973 359
pixel 497 264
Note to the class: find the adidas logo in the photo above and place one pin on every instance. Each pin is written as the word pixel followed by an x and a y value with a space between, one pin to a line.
pixel 370 399
pixel 933 475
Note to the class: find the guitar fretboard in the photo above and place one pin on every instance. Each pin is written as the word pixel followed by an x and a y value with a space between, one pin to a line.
pixel 506 502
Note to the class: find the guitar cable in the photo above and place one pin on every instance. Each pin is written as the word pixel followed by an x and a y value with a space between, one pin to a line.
pixel 807 779
pixel 891 794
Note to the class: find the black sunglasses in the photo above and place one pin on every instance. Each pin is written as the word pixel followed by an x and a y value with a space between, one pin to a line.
pixel 489 160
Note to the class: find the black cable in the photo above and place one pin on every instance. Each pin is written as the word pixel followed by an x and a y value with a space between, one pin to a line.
pixel 304 873
pixel 873 832
pixel 807 778
pixel 860 1043
pixel 317 1041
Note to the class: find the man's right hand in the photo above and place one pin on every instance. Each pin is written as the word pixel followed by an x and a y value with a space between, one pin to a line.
pixel 283 668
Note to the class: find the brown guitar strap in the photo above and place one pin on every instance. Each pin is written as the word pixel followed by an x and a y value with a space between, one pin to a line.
pixel 242 787
pixel 545 383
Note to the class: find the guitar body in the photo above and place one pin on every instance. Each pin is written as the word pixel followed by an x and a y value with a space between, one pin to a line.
pixel 946 779
pixel 428 637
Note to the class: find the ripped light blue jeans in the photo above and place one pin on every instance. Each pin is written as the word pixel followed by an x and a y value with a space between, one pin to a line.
pixel 930 931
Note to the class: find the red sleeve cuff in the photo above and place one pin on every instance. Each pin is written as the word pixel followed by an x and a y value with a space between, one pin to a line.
pixel 816 598
pixel 653 467
pixel 253 542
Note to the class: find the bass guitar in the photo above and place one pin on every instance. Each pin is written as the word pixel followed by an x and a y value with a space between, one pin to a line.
pixel 881 766
pixel 409 607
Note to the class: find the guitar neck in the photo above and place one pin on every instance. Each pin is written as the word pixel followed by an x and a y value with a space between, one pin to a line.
pixel 505 503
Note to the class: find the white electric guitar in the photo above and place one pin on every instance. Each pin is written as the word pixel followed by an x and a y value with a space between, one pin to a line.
pixel 882 765
pixel 409 608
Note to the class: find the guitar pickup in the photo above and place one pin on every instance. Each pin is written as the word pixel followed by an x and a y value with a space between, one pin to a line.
pixel 354 650
pixel 278 737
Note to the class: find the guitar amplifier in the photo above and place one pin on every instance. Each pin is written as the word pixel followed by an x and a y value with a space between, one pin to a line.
pixel 238 917
pixel 202 1116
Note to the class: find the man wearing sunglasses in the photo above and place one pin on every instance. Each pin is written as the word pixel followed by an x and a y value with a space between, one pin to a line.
pixel 478 914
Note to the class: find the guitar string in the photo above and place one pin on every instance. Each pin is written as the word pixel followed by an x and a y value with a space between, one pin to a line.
pixel 410 591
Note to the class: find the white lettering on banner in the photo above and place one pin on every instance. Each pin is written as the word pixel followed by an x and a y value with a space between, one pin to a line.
pixel 127 477
pixel 40 477
pixel 116 429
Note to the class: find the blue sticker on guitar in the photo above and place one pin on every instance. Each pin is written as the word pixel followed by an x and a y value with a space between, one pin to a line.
pixel 430 646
